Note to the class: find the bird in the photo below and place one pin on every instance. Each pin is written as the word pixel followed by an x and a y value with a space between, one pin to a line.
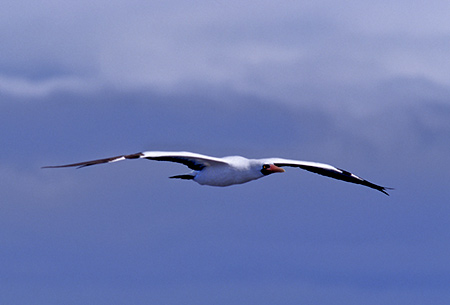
pixel 231 170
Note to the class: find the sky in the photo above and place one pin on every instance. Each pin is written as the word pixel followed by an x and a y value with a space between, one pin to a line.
pixel 360 85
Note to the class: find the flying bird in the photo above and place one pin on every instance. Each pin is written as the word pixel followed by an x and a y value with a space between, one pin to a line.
pixel 231 170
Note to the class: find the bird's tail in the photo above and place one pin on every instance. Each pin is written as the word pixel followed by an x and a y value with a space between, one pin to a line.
pixel 184 176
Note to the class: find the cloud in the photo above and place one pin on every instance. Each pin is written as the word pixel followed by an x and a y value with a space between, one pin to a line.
pixel 23 87
pixel 276 51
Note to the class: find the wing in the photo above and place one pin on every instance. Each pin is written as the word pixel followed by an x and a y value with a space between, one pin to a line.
pixel 326 170
pixel 192 160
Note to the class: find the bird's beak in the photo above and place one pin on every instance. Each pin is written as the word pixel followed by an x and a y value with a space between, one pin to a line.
pixel 275 169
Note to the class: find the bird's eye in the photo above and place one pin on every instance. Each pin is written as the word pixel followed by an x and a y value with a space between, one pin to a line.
pixel 266 166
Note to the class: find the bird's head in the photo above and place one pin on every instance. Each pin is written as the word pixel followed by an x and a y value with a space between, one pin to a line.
pixel 268 169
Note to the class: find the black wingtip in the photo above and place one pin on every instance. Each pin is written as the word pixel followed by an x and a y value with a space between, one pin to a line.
pixel 50 166
pixel 384 190
pixel 99 161
pixel 63 166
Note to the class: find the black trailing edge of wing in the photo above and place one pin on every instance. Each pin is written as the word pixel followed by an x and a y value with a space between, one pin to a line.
pixel 189 163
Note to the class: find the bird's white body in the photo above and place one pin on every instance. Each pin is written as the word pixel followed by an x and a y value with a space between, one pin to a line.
pixel 232 170
pixel 237 170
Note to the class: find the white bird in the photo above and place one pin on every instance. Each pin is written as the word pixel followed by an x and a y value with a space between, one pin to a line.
pixel 231 170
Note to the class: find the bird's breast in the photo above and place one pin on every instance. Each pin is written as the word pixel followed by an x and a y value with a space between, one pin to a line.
pixel 225 176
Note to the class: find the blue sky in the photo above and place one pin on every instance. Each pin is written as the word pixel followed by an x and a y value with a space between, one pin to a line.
pixel 363 86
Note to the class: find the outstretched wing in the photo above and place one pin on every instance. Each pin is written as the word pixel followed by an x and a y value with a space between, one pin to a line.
pixel 192 160
pixel 326 170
